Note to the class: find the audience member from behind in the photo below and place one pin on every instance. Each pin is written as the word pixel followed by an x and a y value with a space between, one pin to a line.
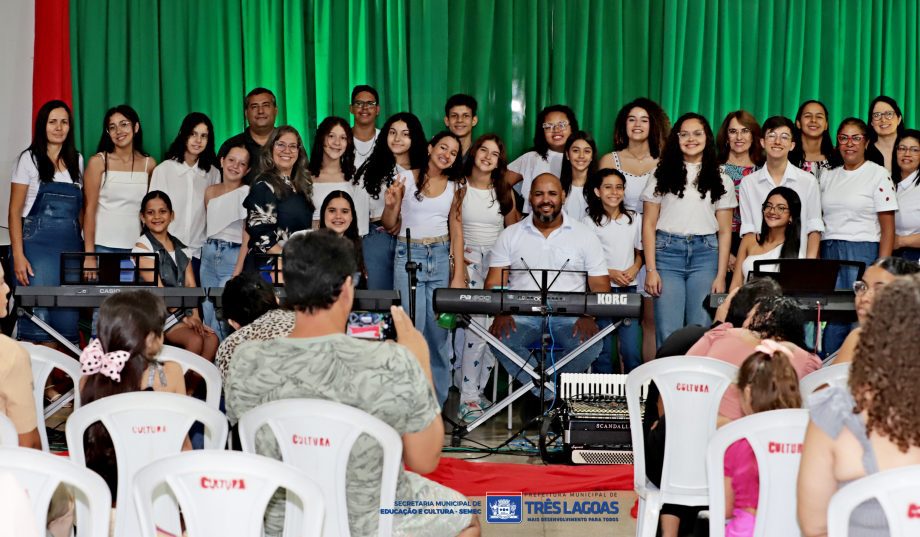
pixel 391 381
pixel 872 425
pixel 124 359
pixel 767 381
pixel 16 400
pixel 880 274
pixel 776 318
pixel 251 308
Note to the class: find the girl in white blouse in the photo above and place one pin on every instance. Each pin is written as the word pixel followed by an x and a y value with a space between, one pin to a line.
pixel 579 160
pixel 904 170
pixel 332 165
pixel 686 229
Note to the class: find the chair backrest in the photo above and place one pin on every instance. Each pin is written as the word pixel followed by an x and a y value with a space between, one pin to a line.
pixel 44 361
pixel 898 492
pixel 225 493
pixel 317 436
pixel 776 438
pixel 691 389
pixel 8 435
pixel 833 375
pixel 191 361
pixel 41 473
pixel 144 427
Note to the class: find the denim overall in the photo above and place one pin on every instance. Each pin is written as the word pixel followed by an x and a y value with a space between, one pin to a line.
pixel 52 227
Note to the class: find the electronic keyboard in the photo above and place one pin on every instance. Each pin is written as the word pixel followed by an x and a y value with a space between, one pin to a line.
pixel 498 301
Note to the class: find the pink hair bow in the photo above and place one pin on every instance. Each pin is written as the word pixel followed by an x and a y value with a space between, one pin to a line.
pixel 769 347
pixel 95 360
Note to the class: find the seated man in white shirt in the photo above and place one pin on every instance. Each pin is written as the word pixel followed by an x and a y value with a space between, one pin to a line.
pixel 547 239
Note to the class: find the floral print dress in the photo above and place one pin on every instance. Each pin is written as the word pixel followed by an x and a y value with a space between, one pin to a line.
pixel 272 217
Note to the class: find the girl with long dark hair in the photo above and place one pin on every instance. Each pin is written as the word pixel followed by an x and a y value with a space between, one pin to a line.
pixel 686 230
pixel 779 236
pixel 487 207
pixel 339 214
pixel 620 232
pixel 173 264
pixel 430 206
pixel 333 168
pixel 555 124
pixel 403 153
pixel 579 160
pixel 813 145
pixel 188 169
pixel 44 216
pixel 130 329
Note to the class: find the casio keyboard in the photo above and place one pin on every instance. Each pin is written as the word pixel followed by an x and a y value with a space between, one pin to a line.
pixel 838 306
pixel 499 301
pixel 92 296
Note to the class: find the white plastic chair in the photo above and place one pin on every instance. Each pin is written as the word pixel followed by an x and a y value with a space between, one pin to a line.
pixel 144 427
pixel 898 492
pixel 41 473
pixel 191 361
pixel 833 375
pixel 317 436
pixel 225 493
pixel 691 389
pixel 8 435
pixel 44 361
pixel 776 438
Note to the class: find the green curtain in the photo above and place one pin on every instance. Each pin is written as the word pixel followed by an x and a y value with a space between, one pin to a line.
pixel 169 57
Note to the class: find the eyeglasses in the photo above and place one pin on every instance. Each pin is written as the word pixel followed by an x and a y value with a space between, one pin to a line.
pixel 860 287
pixel 558 126
pixel 683 135
pixel 123 125
pixel 914 150
pixel 843 138
pixel 879 115
pixel 364 104
pixel 779 209
pixel 281 146
pixel 744 133
pixel 782 136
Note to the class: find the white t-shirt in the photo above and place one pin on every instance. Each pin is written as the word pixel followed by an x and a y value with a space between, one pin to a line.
pixel 756 186
pixel 572 246
pixel 426 218
pixel 851 201
pixel 690 215
pixel 226 216
pixel 482 217
pixel 185 186
pixel 530 165
pixel 375 207
pixel 576 205
pixel 25 172
pixel 363 149
pixel 907 219
pixel 619 238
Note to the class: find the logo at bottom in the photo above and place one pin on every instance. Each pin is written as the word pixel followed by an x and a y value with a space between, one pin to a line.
pixel 504 507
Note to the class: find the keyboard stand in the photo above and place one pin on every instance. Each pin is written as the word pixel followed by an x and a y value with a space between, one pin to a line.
pixel 498 406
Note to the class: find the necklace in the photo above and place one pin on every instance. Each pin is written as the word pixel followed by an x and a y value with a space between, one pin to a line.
pixel 637 158
pixel 370 148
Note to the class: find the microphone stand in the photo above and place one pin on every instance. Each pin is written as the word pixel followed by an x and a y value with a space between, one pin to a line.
pixel 412 271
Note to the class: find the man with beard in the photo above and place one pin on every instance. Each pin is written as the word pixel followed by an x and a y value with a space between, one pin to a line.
pixel 547 239
pixel 260 109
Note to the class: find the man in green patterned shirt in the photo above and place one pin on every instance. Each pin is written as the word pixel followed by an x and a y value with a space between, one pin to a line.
pixel 391 381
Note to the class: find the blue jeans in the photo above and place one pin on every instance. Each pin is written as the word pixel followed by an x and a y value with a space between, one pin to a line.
pixel 379 247
pixel 687 264
pixel 629 338
pixel 433 273
pixel 867 252
pixel 52 228
pixel 527 336
pixel 218 258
